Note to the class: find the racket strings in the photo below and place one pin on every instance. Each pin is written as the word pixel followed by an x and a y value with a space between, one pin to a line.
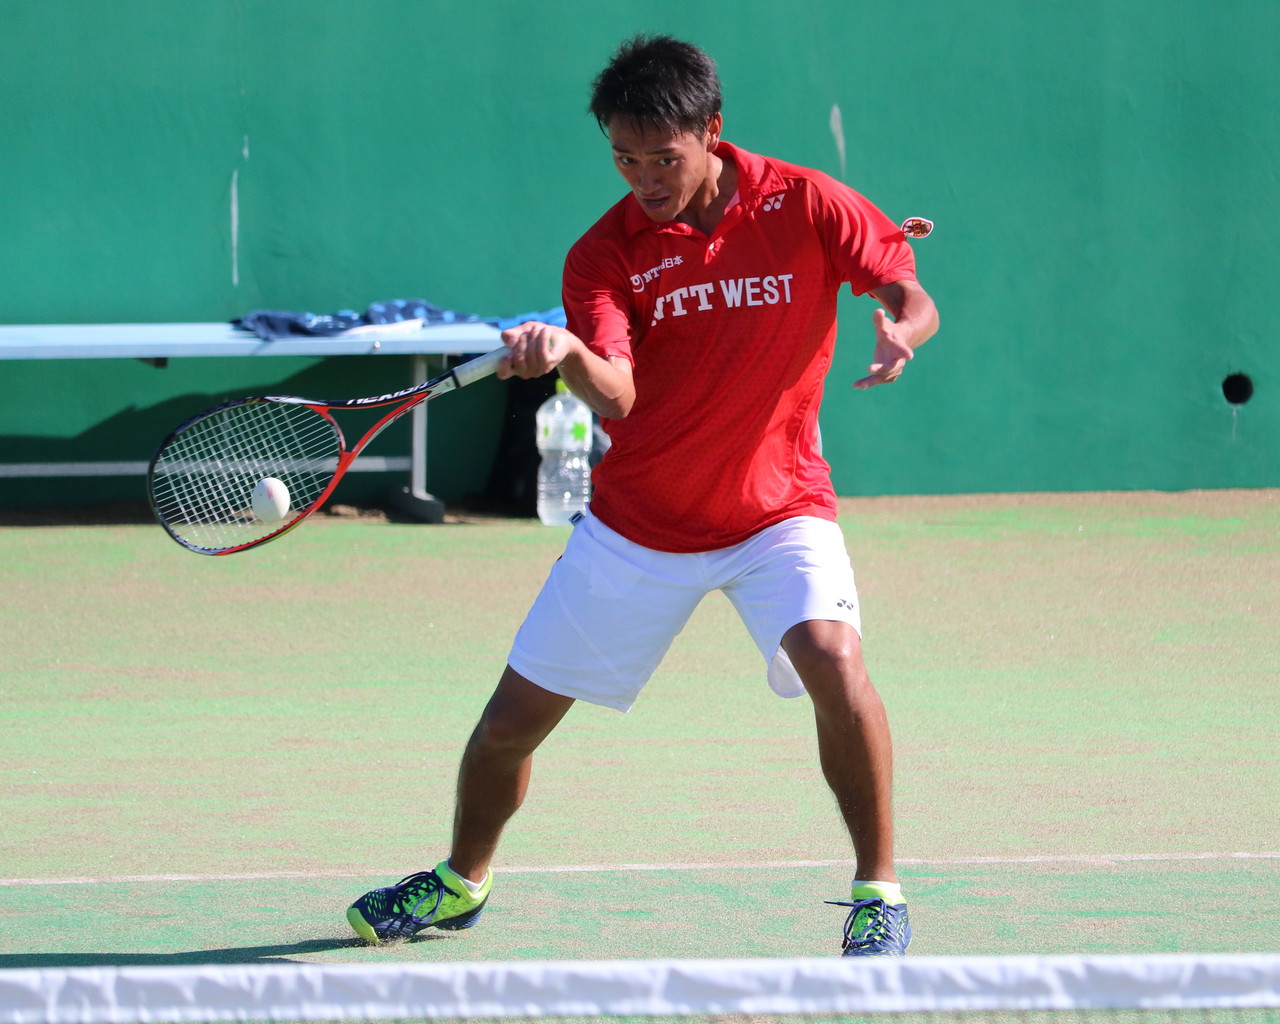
pixel 203 478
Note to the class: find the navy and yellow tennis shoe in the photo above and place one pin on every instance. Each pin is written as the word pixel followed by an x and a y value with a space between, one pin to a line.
pixel 875 927
pixel 428 899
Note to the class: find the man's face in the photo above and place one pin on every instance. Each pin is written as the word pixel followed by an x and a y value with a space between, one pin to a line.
pixel 665 168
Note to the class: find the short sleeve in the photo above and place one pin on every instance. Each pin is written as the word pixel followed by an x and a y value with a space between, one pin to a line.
pixel 865 247
pixel 594 308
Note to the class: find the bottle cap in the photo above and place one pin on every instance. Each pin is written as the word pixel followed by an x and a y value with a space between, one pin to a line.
pixel 561 387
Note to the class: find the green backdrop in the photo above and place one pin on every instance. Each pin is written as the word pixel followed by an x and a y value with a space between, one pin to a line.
pixel 1102 176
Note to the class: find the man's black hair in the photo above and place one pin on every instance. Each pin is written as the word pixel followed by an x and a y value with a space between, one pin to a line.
pixel 657 81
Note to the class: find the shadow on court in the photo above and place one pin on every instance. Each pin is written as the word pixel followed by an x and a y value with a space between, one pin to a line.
pixel 241 955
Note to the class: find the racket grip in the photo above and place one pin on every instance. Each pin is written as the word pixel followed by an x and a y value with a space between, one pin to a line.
pixel 478 368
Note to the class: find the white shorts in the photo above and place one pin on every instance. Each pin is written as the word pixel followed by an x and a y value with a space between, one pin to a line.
pixel 610 609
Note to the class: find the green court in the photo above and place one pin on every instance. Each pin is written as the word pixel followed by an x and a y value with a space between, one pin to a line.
pixel 206 759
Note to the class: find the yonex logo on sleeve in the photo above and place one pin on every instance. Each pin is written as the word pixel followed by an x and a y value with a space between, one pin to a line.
pixel 775 202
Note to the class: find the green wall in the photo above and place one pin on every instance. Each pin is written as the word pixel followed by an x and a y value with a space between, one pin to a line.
pixel 1102 175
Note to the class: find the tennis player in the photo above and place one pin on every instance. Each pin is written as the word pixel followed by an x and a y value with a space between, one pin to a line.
pixel 701 314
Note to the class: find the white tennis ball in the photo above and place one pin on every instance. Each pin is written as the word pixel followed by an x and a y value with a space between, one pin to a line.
pixel 270 500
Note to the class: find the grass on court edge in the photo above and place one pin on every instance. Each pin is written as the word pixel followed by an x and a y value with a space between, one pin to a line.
pixel 207 759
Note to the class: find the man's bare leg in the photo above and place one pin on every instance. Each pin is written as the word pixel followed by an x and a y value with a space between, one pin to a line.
pixel 494 775
pixel 854 745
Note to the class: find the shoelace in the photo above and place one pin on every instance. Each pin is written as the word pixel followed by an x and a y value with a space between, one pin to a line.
pixel 877 925
pixel 413 891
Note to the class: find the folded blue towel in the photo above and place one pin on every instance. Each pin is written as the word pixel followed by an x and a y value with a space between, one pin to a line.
pixel 275 324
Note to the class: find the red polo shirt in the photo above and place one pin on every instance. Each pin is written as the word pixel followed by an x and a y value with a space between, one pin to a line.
pixel 730 335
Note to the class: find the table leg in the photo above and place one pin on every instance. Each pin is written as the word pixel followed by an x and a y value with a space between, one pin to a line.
pixel 414 499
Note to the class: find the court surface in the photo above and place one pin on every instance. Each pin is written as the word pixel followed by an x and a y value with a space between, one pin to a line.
pixel 207 759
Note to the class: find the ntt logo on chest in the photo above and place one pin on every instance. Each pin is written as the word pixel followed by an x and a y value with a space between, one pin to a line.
pixel 638 281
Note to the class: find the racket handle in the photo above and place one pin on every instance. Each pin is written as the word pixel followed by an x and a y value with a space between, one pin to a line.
pixel 478 368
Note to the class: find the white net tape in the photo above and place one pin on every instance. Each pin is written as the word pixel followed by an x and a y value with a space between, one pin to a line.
pixel 289 992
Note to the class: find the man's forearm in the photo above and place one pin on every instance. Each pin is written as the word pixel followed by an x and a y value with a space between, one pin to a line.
pixel 911 307
pixel 606 385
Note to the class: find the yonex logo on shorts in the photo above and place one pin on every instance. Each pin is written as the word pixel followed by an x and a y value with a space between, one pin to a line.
pixel 775 202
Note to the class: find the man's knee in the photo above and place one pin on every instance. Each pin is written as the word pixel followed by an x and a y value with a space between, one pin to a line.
pixel 519 715
pixel 827 656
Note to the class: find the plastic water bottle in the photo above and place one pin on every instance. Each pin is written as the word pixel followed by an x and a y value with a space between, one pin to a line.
pixel 564 441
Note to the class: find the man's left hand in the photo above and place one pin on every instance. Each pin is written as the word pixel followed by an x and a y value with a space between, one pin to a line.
pixel 891 353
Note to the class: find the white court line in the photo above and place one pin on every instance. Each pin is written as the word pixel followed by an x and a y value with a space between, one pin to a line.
pixel 1090 859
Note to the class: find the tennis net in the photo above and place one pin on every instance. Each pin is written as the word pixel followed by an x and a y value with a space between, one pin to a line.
pixel 1177 987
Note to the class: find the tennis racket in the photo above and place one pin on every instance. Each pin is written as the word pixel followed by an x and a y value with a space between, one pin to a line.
pixel 251 469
